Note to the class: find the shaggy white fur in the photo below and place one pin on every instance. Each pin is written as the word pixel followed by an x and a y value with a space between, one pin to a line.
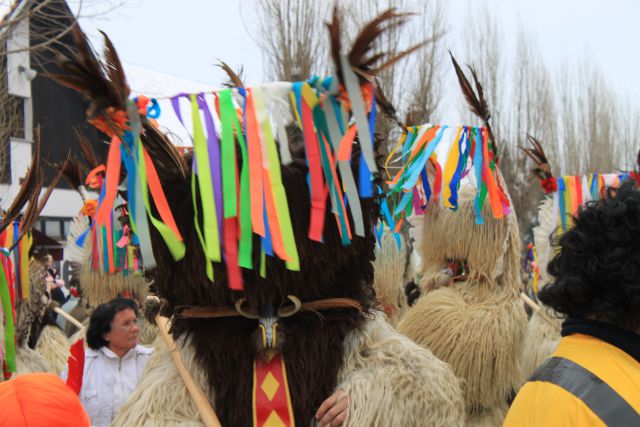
pixel 541 341
pixel 100 288
pixel 388 275
pixel 542 337
pixel 161 398
pixel 476 325
pixel 29 361
pixel 148 332
pixel 389 379
pixel 479 332
pixel 392 381
pixel 53 345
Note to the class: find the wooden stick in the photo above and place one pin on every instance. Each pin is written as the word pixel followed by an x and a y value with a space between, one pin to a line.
pixel 69 317
pixel 207 413
pixel 535 307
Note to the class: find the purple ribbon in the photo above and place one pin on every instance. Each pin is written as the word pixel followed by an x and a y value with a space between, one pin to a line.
pixel 213 146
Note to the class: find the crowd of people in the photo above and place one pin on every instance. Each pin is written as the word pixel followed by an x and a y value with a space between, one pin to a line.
pixel 268 295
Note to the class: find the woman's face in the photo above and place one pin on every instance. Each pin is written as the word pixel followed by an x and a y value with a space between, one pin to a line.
pixel 123 335
pixel 49 261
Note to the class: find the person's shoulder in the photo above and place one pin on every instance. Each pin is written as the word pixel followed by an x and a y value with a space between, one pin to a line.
pixel 561 408
pixel 140 349
pixel 90 353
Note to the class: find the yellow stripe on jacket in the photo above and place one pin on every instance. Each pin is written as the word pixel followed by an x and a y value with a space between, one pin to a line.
pixel 545 404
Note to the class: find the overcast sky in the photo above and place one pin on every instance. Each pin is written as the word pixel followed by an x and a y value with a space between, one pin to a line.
pixel 185 38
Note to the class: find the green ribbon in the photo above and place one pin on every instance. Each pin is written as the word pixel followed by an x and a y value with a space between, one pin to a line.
pixel 211 240
pixel 228 116
pixel 194 200
pixel 9 333
pixel 279 194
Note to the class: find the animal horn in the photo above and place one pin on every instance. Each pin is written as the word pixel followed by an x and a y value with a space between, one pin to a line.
pixel 290 310
pixel 244 313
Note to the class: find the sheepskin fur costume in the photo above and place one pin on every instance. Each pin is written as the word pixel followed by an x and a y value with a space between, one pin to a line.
pixel 315 347
pixel 389 275
pixel 478 324
pixel 543 331
pixel 384 373
pixel 54 347
pixel 29 361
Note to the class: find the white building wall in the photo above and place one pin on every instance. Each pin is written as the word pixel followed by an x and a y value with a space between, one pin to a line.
pixel 18 48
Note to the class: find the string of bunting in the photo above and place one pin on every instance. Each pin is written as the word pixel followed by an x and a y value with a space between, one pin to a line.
pixel 238 201
pixel 14 284
pixel 574 191
pixel 465 148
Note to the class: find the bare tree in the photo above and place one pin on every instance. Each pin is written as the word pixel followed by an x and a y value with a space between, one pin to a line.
pixel 19 43
pixel 414 85
pixel 291 35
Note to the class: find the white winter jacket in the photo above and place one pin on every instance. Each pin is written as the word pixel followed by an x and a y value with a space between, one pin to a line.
pixel 108 381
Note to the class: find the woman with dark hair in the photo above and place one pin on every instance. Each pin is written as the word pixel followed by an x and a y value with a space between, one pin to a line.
pixel 593 378
pixel 114 361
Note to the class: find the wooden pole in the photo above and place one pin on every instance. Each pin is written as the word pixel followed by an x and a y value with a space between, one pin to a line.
pixel 69 317
pixel 535 307
pixel 207 413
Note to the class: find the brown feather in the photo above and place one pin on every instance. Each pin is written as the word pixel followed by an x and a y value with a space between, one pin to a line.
pixel 115 70
pixel 71 171
pixel 234 78
pixel 27 188
pixel 476 101
pixel 335 33
pixel 37 205
pixel 543 168
pixel 398 57
pixel 87 151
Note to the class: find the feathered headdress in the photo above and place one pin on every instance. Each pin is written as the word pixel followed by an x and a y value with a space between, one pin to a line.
pixel 266 205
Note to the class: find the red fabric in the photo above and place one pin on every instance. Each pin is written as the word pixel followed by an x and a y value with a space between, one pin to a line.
pixel 76 366
pixel 549 185
pixel 39 400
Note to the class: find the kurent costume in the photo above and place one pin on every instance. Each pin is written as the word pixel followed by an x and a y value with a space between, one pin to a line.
pixel 390 274
pixel 31 339
pixel 266 276
pixel 470 314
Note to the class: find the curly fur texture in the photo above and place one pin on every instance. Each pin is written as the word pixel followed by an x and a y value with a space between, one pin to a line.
pixel 100 288
pixel 161 398
pixel 389 275
pixel 54 347
pixel 29 361
pixel 389 379
pixel 597 271
pixel 479 332
pixel 392 381
pixel 540 342
pixel 148 332
pixel 477 325
pixel 542 235
pixel 542 337
pixel 81 313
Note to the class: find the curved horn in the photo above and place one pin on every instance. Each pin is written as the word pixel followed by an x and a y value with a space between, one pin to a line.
pixel 243 313
pixel 290 310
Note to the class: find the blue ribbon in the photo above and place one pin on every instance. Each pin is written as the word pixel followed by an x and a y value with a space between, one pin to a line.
pixel 477 166
pixel 462 164
pixel 421 162
pixel 563 209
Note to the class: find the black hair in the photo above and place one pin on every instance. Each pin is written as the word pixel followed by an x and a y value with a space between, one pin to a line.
pixel 101 318
pixel 597 270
